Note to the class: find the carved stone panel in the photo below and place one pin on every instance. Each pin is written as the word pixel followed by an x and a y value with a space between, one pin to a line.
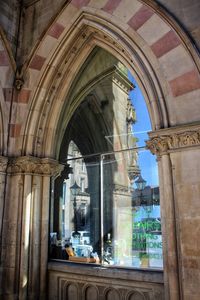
pixel 111 294
pixel 91 292
pixel 104 284
pixel 136 296
pixel 70 291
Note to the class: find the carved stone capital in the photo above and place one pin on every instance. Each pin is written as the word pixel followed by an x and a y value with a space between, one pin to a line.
pixel 34 165
pixel 50 167
pixel 22 164
pixel 157 146
pixel 3 164
pixel 173 139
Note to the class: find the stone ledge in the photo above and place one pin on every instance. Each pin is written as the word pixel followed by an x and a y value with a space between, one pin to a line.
pixel 143 275
pixel 99 282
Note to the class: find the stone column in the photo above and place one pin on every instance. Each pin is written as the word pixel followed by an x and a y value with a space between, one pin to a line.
pixel 11 235
pixel 35 238
pixel 179 166
pixel 25 227
pixel 168 221
pixel 49 169
pixel 3 167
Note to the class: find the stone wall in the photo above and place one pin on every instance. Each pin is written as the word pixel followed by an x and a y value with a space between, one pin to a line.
pixel 178 153
pixel 38 16
pixel 187 15
pixel 9 19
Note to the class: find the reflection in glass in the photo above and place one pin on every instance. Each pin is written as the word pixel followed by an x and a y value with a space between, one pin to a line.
pixel 133 237
pixel 80 230
pixel 131 231
pixel 106 203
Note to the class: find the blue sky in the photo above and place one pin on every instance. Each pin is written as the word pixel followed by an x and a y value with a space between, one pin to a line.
pixel 147 161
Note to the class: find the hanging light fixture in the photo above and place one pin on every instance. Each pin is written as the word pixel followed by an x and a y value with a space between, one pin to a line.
pixel 140 183
pixel 75 189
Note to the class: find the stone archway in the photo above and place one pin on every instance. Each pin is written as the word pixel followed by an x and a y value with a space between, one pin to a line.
pixel 145 54
pixel 152 58
pixel 7 67
pixel 162 61
pixel 6 73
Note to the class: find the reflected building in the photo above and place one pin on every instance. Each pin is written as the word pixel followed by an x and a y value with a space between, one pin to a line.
pixel 107 106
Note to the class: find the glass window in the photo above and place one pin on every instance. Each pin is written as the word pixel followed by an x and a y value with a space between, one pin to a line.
pixel 115 219
pixel 106 209
pixel 82 184
pixel 131 210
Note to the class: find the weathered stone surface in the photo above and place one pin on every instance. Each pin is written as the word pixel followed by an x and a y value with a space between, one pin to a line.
pixel 45 53
pixel 87 281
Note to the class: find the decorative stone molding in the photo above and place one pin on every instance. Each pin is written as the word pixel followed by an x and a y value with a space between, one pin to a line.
pixel 3 164
pixel 50 167
pixel 167 140
pixel 19 83
pixel 157 146
pixel 122 189
pixel 121 80
pixel 19 80
pixel 34 165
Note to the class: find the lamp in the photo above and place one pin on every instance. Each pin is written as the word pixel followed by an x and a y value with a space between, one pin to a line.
pixel 75 190
pixel 140 183
pixel 141 199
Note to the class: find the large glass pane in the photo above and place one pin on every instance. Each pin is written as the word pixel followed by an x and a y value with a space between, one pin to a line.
pixel 106 206
pixel 132 227
pixel 75 232
pixel 108 210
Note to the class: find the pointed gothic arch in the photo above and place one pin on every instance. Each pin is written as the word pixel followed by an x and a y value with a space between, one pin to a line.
pixel 147 59
pixel 7 67
pixel 67 44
